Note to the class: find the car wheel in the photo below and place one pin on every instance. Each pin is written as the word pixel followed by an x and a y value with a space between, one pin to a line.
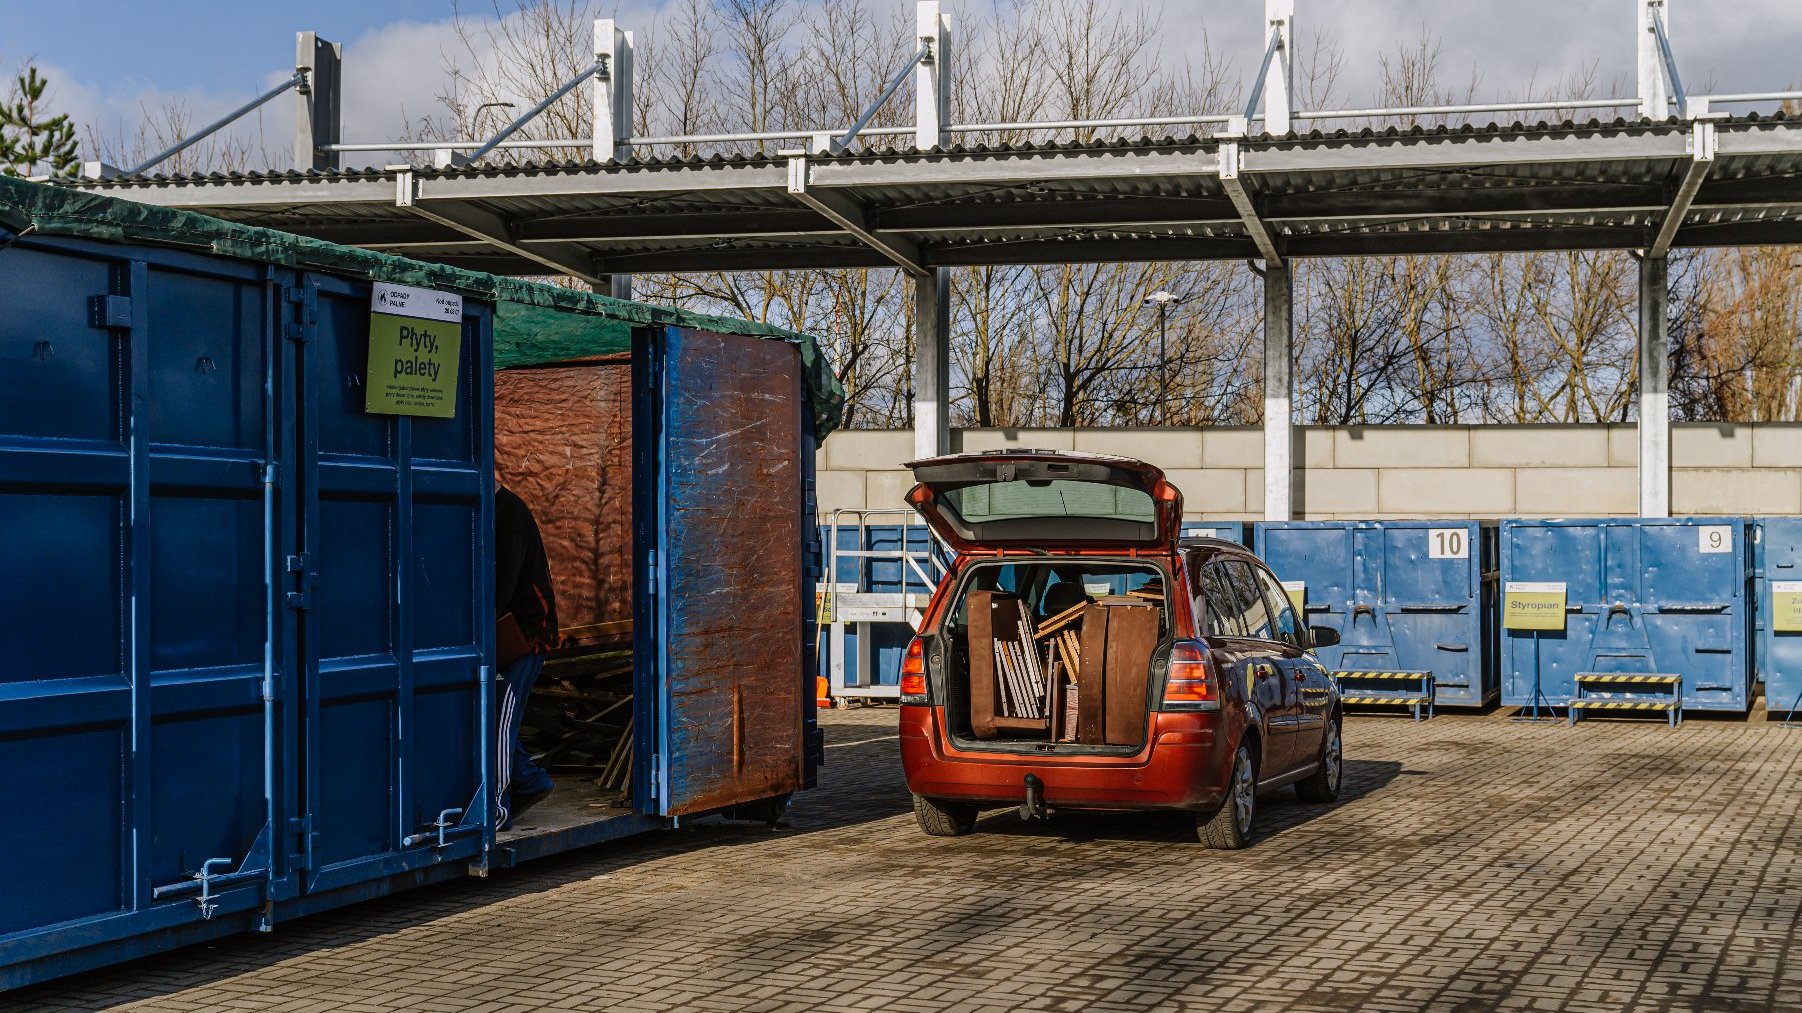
pixel 1230 828
pixel 939 818
pixel 1323 784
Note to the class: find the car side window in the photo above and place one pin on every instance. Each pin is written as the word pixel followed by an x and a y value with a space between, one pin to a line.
pixel 1254 617
pixel 1287 623
pixel 1221 605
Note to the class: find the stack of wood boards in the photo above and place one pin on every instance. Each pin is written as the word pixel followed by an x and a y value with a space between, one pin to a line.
pixel 1025 683
pixel 1061 636
pixel 578 720
pixel 1119 636
pixel 1007 692
pixel 1079 676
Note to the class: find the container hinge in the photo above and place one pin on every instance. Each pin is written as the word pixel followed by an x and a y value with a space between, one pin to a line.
pixel 296 331
pixel 650 571
pixel 656 773
pixel 109 311
pixel 301 565
pixel 301 830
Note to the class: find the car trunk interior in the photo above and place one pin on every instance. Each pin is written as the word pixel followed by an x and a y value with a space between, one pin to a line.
pixel 1055 655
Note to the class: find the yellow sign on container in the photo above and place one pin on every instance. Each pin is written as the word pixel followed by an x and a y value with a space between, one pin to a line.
pixel 415 340
pixel 1533 605
pixel 1298 595
pixel 1786 606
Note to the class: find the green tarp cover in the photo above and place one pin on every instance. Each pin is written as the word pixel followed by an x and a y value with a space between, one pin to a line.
pixel 533 323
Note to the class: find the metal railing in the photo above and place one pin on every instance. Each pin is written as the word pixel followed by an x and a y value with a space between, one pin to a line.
pixel 1027 126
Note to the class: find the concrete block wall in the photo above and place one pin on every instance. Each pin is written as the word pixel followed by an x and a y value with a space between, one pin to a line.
pixel 1374 472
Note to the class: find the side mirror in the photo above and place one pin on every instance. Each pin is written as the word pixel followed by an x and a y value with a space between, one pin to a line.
pixel 1322 636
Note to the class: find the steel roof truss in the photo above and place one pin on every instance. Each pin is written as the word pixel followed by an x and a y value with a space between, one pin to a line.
pixel 480 223
pixel 1255 226
pixel 1701 159
pixel 847 214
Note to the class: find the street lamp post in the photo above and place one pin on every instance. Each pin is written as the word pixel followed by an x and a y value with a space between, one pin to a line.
pixel 1163 300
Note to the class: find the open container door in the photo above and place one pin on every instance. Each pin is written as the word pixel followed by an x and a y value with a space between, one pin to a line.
pixel 721 627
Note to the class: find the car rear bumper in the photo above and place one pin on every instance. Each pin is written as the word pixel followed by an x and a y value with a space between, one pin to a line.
pixel 1184 767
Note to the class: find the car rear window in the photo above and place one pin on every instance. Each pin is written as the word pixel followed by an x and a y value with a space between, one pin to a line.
pixel 1000 501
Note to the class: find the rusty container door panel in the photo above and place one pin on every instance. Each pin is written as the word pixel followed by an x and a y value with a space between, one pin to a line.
pixel 729 569
pixel 563 443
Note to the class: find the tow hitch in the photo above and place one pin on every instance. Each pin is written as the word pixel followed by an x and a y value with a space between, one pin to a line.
pixel 1034 806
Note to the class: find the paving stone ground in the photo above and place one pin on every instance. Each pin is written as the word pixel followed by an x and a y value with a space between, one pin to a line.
pixel 1474 863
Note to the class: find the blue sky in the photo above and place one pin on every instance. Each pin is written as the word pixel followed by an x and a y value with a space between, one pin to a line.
pixel 177 45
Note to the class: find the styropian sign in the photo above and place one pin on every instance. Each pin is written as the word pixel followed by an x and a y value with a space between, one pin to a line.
pixel 415 339
pixel 1533 605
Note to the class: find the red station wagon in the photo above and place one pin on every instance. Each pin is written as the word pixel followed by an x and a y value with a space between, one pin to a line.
pixel 1080 654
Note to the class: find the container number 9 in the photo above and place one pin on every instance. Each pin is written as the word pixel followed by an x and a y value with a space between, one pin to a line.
pixel 1714 538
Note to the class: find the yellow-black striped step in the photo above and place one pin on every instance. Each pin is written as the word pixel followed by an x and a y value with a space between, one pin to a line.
pixel 1629 678
pixel 1381 676
pixel 1623 705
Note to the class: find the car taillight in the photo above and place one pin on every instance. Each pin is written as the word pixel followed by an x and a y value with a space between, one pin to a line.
pixel 913 673
pixel 1191 685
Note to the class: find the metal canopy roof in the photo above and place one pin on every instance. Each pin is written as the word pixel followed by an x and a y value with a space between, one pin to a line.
pixel 1631 184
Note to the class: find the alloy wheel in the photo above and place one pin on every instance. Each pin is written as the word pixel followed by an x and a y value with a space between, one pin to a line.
pixel 1334 760
pixel 1244 793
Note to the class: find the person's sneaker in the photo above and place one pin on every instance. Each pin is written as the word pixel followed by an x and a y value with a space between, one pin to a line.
pixel 523 800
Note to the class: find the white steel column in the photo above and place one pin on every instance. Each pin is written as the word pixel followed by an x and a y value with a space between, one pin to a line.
pixel 932 364
pixel 1279 80
pixel 932 292
pixel 1654 389
pixel 1279 384
pixel 613 113
pixel 612 92
pixel 932 78
pixel 318 104
pixel 1654 97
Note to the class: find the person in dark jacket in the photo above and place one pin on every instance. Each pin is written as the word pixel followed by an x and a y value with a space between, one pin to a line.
pixel 525 609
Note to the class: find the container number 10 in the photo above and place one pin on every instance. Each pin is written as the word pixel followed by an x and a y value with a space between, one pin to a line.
pixel 1447 543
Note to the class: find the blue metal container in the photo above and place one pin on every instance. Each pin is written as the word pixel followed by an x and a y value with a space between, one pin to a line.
pixel 247 625
pixel 1410 597
pixel 1642 595
pixel 1237 532
pixel 1777 560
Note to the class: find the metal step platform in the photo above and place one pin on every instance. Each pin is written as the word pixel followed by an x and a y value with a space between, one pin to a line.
pixel 1355 691
pixel 1628 691
pixel 855 607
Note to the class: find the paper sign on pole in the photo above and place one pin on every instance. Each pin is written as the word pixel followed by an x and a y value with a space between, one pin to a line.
pixel 1533 605
pixel 825 599
pixel 1786 606
pixel 415 340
